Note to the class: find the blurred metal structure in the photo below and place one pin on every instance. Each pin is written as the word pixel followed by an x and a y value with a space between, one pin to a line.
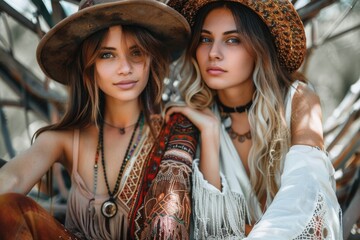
pixel 36 97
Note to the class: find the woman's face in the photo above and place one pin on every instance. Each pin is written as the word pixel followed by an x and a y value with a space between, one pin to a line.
pixel 121 68
pixel 224 61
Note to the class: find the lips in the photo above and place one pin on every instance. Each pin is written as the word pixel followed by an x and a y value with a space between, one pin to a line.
pixel 127 84
pixel 215 70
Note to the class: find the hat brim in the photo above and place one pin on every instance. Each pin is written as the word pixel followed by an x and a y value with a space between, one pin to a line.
pixel 57 48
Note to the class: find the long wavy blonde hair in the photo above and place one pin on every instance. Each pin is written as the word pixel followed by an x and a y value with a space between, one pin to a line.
pixel 270 134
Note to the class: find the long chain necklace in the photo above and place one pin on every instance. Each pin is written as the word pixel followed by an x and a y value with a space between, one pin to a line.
pixel 109 207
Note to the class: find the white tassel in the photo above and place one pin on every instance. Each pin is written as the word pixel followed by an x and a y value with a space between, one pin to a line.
pixel 217 215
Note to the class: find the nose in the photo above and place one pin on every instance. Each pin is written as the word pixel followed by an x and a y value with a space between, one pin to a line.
pixel 124 66
pixel 215 52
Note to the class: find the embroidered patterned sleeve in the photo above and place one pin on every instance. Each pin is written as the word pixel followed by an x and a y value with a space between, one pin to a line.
pixel 306 206
pixel 167 206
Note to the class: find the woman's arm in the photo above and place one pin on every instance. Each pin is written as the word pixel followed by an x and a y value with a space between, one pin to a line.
pixel 305 205
pixel 218 213
pixel 167 204
pixel 209 127
pixel 306 118
pixel 21 173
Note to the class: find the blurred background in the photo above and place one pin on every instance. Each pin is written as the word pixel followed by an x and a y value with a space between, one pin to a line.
pixel 28 100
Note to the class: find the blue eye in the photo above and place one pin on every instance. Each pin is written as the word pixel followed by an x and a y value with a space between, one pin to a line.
pixel 205 40
pixel 233 40
pixel 106 55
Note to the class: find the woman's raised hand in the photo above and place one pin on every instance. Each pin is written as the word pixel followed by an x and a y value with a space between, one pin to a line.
pixel 204 119
pixel 209 127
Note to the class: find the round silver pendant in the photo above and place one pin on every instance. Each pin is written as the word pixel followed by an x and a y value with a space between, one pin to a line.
pixel 109 208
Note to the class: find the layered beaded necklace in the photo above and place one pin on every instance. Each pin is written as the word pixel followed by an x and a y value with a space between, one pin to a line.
pixel 109 207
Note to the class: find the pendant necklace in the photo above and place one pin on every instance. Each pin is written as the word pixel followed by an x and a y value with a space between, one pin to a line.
pixel 238 109
pixel 109 207
pixel 121 129
pixel 240 137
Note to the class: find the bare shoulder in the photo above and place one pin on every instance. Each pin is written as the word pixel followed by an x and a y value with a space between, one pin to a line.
pixel 57 143
pixel 54 137
pixel 306 117
pixel 305 96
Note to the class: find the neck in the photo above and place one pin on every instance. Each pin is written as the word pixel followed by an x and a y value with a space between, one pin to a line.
pixel 122 115
pixel 236 109
pixel 238 96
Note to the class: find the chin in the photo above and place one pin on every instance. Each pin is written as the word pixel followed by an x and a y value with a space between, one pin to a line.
pixel 216 86
pixel 128 96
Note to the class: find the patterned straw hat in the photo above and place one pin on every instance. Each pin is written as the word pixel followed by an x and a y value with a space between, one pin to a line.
pixel 59 46
pixel 279 15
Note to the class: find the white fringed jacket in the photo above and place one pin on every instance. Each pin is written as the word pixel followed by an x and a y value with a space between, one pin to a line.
pixel 305 206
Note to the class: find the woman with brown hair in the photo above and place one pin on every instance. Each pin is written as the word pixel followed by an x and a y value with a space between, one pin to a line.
pixel 130 173
pixel 262 172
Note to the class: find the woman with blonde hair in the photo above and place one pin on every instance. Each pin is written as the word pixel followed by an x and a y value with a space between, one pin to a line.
pixel 130 173
pixel 262 171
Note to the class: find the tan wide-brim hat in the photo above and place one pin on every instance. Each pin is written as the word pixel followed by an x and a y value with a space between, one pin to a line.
pixel 280 16
pixel 60 44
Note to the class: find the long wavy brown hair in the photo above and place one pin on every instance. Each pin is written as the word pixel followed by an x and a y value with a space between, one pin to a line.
pixel 86 101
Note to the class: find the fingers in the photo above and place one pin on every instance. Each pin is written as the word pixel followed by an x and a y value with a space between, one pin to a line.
pixel 192 114
pixel 202 119
pixel 172 110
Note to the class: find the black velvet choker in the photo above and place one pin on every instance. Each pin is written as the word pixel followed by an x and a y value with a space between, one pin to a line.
pixel 237 109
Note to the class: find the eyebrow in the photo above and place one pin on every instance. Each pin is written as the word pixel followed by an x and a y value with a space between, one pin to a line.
pixel 225 33
pixel 134 47
pixel 107 48
pixel 113 49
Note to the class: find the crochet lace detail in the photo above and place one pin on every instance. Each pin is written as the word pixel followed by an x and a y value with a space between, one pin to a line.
pixel 317 228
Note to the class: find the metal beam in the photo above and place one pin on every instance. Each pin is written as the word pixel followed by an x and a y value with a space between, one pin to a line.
pixel 26 78
pixel 6 134
pixel 311 9
pixel 4 7
pixel 24 83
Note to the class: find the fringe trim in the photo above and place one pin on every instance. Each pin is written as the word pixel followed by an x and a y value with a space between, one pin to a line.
pixel 217 215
